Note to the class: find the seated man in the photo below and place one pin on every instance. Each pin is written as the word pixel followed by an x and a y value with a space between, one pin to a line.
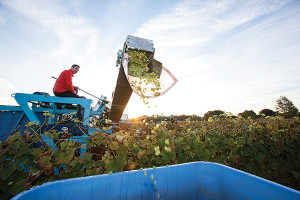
pixel 63 86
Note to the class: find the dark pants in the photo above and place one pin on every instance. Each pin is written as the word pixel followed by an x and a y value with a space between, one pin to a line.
pixel 70 94
pixel 66 94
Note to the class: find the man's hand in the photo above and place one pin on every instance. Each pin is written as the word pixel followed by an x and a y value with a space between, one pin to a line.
pixel 76 88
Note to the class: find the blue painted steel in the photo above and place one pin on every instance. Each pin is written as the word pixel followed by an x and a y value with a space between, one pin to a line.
pixel 119 57
pixel 11 108
pixel 10 121
pixel 23 100
pixel 31 112
pixel 15 118
pixel 199 180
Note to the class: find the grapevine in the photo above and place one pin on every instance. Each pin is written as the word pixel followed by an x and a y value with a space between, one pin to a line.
pixel 267 147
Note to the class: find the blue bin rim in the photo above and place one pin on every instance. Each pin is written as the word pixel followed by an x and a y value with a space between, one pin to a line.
pixel 149 169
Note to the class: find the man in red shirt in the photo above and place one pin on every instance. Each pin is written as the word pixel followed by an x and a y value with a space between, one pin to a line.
pixel 63 86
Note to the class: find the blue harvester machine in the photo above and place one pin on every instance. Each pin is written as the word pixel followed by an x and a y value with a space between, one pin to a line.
pixel 33 106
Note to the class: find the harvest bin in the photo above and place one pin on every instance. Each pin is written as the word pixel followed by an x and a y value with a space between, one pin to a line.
pixel 197 180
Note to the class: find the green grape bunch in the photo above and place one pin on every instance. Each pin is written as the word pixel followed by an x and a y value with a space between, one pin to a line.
pixel 139 66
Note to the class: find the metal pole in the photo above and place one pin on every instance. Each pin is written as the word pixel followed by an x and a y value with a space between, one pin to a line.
pixel 82 90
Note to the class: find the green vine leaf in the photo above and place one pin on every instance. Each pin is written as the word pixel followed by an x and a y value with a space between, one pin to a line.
pixel 5 173
pixel 64 157
pixel 88 156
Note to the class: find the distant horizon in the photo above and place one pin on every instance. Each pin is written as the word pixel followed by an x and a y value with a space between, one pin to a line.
pixel 180 115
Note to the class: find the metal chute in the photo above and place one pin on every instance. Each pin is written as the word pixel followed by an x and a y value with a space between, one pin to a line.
pixel 121 96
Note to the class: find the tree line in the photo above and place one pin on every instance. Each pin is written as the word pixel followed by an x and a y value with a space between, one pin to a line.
pixel 283 107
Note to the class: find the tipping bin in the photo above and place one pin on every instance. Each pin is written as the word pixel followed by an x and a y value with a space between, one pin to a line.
pixel 197 180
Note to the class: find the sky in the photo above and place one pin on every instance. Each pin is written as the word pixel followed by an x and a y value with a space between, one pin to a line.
pixel 227 55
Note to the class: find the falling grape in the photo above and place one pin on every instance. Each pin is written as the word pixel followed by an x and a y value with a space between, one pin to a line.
pixel 152 177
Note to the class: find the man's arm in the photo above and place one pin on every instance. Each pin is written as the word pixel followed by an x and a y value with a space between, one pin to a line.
pixel 69 84
pixel 76 88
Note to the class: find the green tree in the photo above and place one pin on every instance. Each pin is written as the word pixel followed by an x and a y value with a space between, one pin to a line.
pixel 248 113
pixel 212 113
pixel 195 118
pixel 267 112
pixel 285 107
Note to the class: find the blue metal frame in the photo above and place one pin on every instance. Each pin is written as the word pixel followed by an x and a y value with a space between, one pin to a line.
pixel 23 100
pixel 119 57
pixel 32 112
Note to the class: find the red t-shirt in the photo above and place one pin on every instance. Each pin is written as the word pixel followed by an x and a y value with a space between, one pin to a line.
pixel 64 82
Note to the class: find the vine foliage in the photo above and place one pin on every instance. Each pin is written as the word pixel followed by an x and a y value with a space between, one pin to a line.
pixel 267 147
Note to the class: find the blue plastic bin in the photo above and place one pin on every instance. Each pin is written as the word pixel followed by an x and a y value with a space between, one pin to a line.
pixel 198 180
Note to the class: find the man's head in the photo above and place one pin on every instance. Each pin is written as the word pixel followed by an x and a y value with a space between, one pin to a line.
pixel 75 68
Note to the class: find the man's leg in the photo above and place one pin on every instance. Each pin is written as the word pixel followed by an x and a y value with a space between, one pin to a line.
pixel 66 94
pixel 70 106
